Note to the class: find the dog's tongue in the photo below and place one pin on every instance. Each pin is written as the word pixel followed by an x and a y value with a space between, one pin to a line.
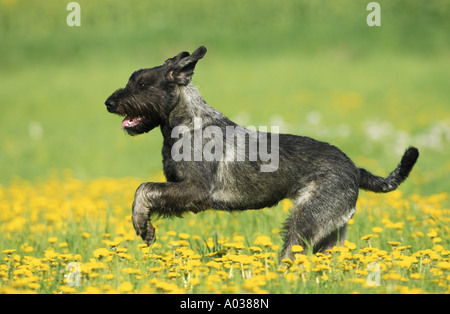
pixel 130 122
pixel 125 122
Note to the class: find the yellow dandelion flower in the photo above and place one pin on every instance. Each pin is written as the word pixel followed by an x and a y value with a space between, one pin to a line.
pixel 415 276
pixel 50 254
pixel 85 235
pixel 255 248
pixel 436 272
pixel 393 243
pixel 194 281
pixel 403 247
pixel 432 234
pixel 67 289
pixel 130 270
pixel 287 261
pixel 321 267
pixel 235 245
pixel 120 250
pixel 356 280
pixel 178 243
pixel 125 256
pixel 392 276
pixel 367 237
pixel 301 258
pixel 403 264
pixel 377 230
pixel 437 240
pixel 112 243
pixel 8 251
pixel 108 276
pixel 184 236
pixel 214 264
pixel 349 245
pixel 438 248
pixel 108 289
pixel 92 290
pixel 263 240
pixel 28 249
pixel 271 276
pixel 52 240
pixel 443 265
pixel 290 277
pixel 361 272
pixel 34 286
pixel 66 257
pixel 126 287
pixel 297 248
pixel 146 289
pixel 407 290
pixel 172 274
pixel 286 205
pixel 102 252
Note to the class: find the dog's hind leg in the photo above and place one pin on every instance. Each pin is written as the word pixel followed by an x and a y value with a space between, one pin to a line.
pixel 318 219
pixel 335 238
pixel 294 234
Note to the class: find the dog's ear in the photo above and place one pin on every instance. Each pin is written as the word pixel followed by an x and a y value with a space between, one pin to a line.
pixel 177 58
pixel 181 70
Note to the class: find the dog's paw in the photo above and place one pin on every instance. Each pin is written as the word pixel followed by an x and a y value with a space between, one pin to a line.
pixel 140 211
pixel 141 214
pixel 144 228
pixel 149 233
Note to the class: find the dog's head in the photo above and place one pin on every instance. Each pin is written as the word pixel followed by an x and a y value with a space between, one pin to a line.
pixel 151 94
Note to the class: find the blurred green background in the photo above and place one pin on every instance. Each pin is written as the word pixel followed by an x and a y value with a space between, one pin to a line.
pixel 313 68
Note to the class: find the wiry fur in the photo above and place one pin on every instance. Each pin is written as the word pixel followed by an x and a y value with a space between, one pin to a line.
pixel 321 180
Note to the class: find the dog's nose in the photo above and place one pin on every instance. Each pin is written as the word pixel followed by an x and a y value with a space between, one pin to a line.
pixel 110 104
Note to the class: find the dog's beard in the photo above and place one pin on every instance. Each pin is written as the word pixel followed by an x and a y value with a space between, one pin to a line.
pixel 138 125
pixel 138 118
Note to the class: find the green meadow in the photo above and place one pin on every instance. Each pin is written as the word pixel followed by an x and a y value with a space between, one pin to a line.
pixel 68 171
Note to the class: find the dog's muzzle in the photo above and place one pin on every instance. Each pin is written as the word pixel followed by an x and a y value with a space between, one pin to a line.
pixel 111 105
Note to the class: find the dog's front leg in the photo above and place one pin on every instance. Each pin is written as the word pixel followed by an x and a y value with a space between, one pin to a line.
pixel 165 199
pixel 141 214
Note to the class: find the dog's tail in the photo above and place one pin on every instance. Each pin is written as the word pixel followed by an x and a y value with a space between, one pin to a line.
pixel 370 182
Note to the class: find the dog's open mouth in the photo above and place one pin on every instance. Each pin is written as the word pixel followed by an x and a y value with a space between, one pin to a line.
pixel 129 122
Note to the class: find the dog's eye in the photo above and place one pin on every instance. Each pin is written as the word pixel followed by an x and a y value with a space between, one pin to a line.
pixel 142 85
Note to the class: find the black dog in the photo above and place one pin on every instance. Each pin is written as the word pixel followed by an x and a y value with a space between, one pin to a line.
pixel 203 172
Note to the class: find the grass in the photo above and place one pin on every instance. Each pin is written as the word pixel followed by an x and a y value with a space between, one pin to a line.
pixel 312 68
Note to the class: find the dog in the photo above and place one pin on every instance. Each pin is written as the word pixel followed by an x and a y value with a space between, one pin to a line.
pixel 204 173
